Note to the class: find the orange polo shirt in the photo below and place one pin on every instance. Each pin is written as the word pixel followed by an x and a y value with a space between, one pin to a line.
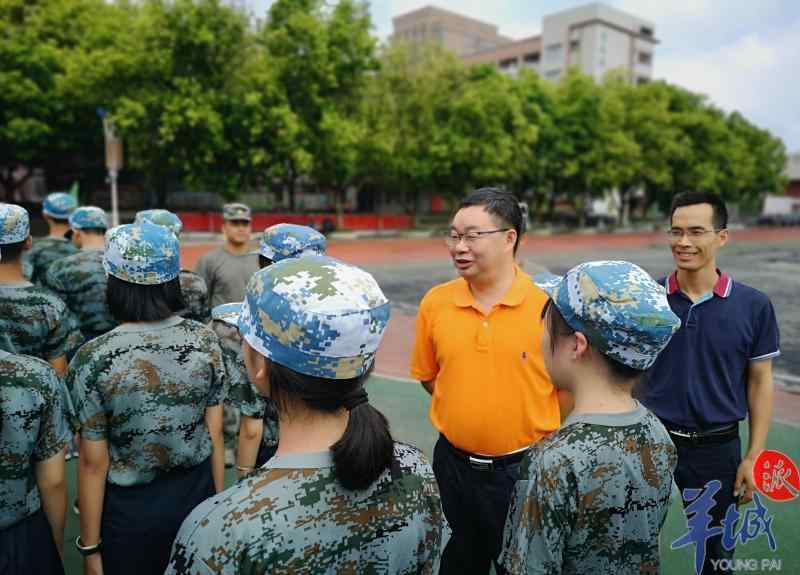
pixel 492 394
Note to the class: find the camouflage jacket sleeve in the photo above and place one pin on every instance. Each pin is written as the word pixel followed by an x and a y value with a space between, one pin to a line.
pixel 87 400
pixel 54 432
pixel 541 515
pixel 64 335
pixel 240 393
pixel 219 378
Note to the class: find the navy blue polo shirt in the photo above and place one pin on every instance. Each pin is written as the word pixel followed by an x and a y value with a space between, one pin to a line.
pixel 700 380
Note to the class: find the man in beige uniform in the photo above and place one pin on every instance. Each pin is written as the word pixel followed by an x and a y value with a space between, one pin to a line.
pixel 227 269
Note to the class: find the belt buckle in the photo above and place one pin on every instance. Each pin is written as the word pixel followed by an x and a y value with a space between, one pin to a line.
pixel 689 435
pixel 481 464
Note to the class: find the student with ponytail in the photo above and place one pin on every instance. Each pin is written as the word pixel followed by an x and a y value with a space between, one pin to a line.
pixel 339 494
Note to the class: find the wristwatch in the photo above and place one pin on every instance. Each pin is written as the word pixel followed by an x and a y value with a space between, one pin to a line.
pixel 88 549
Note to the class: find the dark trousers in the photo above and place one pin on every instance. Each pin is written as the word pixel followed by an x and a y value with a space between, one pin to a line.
pixel 140 522
pixel 475 504
pixel 28 547
pixel 697 465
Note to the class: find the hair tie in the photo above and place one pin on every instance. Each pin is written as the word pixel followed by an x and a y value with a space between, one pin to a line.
pixel 355 399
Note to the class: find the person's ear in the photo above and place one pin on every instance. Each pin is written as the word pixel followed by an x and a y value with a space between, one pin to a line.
pixel 580 346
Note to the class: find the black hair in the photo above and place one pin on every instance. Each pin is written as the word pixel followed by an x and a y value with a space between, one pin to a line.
pixel 366 449
pixel 130 302
pixel 693 198
pixel 556 326
pixel 500 204
pixel 264 261
pixel 93 231
pixel 12 252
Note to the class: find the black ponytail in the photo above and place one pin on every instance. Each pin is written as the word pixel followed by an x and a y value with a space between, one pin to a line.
pixel 366 448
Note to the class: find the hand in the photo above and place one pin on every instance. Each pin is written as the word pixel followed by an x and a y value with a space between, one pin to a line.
pixel 744 484
pixel 93 564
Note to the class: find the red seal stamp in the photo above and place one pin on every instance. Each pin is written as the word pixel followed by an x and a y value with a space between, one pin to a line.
pixel 776 476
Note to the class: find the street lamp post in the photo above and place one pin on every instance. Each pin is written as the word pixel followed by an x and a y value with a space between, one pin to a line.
pixel 113 162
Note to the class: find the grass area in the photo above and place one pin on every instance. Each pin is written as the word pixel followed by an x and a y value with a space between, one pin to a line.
pixel 406 406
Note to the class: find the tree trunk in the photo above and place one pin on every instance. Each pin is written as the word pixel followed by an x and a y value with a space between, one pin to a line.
pixel 339 194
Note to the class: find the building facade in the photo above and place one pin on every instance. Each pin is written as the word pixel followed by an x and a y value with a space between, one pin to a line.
pixel 594 38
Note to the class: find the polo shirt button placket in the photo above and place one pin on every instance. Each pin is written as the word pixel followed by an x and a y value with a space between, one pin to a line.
pixel 483 337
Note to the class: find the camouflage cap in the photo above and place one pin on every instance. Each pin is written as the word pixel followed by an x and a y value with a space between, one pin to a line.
pixel 59 205
pixel 143 253
pixel 15 224
pixel 161 218
pixel 618 306
pixel 315 315
pixel 290 241
pixel 233 212
pixel 88 218
pixel 228 312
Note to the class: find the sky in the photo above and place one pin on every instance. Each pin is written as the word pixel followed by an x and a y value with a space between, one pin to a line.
pixel 740 53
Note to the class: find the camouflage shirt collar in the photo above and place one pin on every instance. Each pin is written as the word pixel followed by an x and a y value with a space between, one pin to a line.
pixel 150 325
pixel 609 419
pixel 317 460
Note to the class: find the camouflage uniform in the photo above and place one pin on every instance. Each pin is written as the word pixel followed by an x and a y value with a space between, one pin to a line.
pixel 195 296
pixel 144 388
pixel 593 496
pixel 35 322
pixel 80 281
pixel 34 428
pixel 241 396
pixel 292 516
pixel 43 253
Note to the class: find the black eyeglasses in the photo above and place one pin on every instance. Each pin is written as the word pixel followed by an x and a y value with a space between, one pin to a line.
pixel 453 238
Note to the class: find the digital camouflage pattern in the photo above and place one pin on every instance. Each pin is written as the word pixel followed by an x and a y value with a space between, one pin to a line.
pixel 241 396
pixel 292 516
pixel 80 281
pixel 144 254
pixel 316 315
pixel 34 428
pixel 622 311
pixel 592 498
pixel 15 224
pixel 161 218
pixel 43 253
pixel 59 205
pixel 195 296
pixel 33 321
pixel 144 388
pixel 283 241
pixel 88 218
pixel 235 212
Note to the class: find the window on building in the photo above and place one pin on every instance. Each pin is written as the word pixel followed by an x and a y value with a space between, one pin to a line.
pixel 642 80
pixel 574 45
pixel 531 58
pixel 553 53
pixel 508 63
pixel 552 74
pixel 646 31
pixel 645 58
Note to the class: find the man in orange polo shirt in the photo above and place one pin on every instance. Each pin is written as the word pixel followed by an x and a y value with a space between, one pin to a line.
pixel 477 352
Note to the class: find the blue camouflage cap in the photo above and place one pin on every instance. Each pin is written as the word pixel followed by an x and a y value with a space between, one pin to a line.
pixel 15 225
pixel 617 306
pixel 315 315
pixel 228 312
pixel 88 218
pixel 59 205
pixel 290 241
pixel 161 218
pixel 143 253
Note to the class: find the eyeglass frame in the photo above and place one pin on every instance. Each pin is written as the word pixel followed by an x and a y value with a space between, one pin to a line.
pixel 692 233
pixel 453 238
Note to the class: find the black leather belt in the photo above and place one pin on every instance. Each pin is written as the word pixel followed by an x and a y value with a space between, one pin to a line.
pixel 710 436
pixel 484 462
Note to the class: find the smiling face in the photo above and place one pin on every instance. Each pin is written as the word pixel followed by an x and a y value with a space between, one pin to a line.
pixel 696 249
pixel 486 254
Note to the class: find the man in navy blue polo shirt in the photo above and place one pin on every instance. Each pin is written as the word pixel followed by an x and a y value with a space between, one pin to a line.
pixel 717 368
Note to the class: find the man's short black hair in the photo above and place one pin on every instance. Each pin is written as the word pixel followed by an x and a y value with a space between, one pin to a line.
pixel 130 302
pixel 500 204
pixel 693 198
pixel 10 253
pixel 94 231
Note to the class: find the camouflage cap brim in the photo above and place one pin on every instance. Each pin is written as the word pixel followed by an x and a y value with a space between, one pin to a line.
pixel 228 313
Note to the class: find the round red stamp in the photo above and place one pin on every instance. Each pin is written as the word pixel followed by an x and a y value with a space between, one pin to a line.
pixel 776 476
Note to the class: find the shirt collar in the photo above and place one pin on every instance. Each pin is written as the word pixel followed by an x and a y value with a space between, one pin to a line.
pixel 514 296
pixel 722 288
